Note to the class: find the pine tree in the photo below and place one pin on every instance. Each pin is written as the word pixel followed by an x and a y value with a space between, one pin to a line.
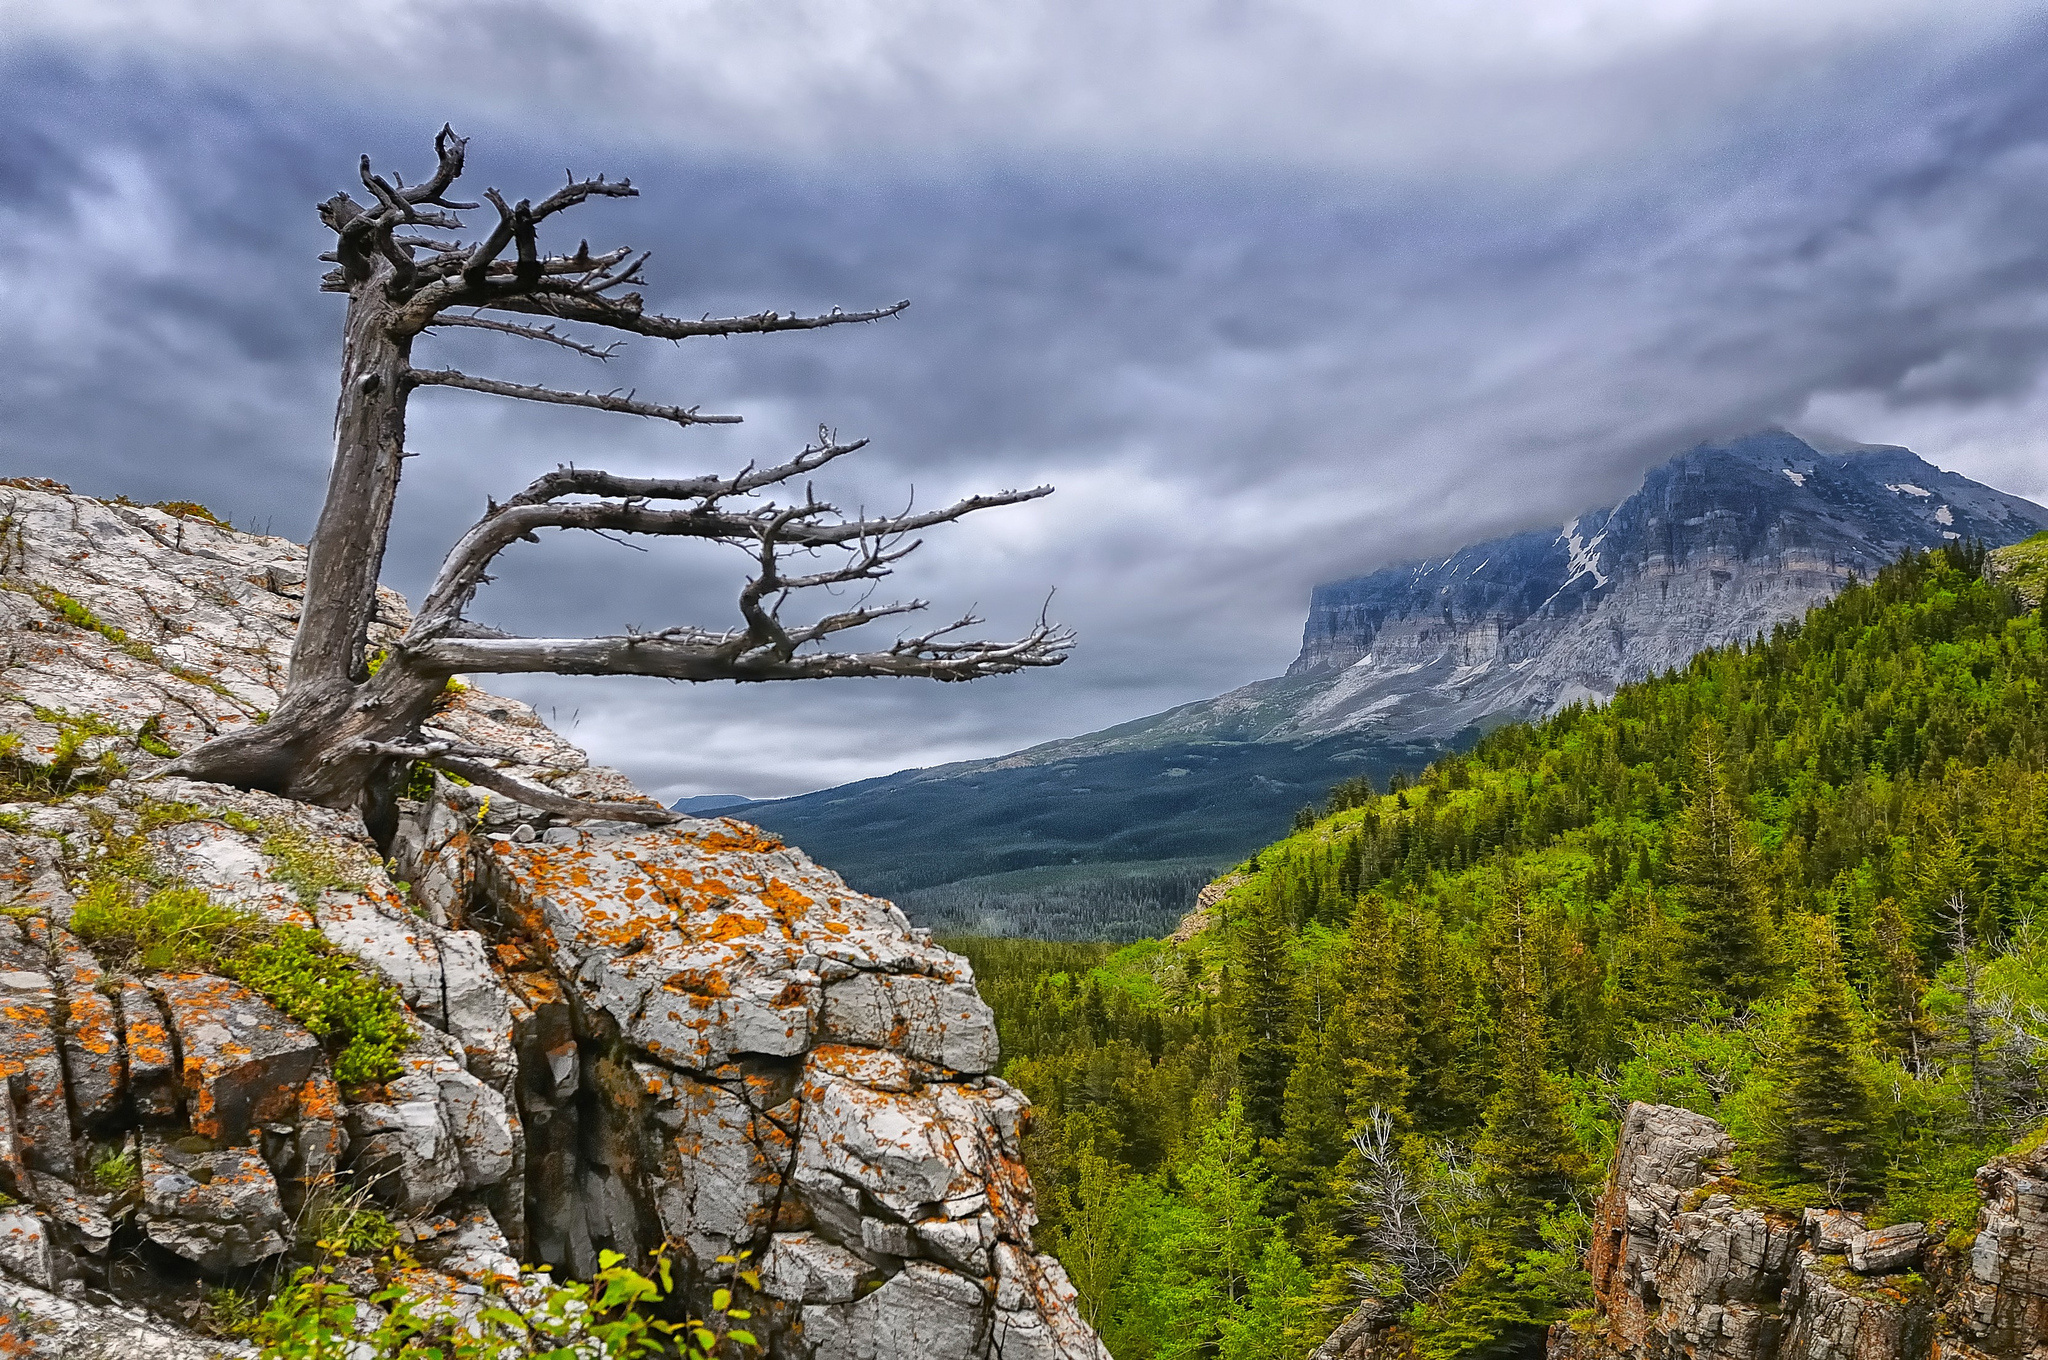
pixel 1528 1156
pixel 1226 1182
pixel 1825 1134
pixel 1378 1043
pixel 1896 986
pixel 1264 1009
pixel 1314 1128
pixel 1725 936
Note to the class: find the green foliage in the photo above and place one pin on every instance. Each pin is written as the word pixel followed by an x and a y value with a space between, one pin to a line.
pixel 351 1227
pixel 179 928
pixel 304 865
pixel 116 1171
pixel 69 770
pixel 1734 888
pixel 618 1315
pixel 1824 1132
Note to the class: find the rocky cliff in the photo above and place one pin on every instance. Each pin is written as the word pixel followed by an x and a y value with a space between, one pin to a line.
pixel 1685 1268
pixel 1682 1266
pixel 615 1038
pixel 1718 545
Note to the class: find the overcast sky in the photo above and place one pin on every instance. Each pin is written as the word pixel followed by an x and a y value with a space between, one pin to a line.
pixel 1273 292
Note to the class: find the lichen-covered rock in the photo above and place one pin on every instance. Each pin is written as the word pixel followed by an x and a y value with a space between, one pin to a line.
pixel 920 1312
pixel 38 1325
pixel 26 1249
pixel 805 1268
pixel 243 1062
pixel 2000 1300
pixel 1888 1249
pixel 1681 1268
pixel 710 940
pixel 438 1129
pixel 31 1063
pixel 152 1075
pixel 621 1038
pixel 220 1210
pixel 1836 1315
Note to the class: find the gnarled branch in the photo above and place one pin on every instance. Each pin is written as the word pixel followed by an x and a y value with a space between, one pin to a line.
pixel 543 333
pixel 596 401
pixel 697 657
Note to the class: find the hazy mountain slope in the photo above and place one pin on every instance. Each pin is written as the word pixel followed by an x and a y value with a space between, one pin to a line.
pixel 1717 545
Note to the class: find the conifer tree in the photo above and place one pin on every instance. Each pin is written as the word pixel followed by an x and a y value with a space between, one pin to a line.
pixel 1314 1129
pixel 1896 985
pixel 1264 1006
pixel 1226 1182
pixel 1825 1134
pixel 1375 1030
pixel 1528 1158
pixel 1725 936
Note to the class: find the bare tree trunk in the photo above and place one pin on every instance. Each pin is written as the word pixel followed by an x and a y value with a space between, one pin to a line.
pixel 342 736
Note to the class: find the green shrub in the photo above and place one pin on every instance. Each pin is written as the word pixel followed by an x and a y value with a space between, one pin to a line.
pixel 610 1318
pixel 182 929
pixel 351 1227
pixel 116 1171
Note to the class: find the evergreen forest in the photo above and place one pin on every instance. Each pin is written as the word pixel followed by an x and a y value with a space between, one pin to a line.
pixel 1800 886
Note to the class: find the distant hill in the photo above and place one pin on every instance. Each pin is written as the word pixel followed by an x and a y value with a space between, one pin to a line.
pixel 1397 665
pixel 709 802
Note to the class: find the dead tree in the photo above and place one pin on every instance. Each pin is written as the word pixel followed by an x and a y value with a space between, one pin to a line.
pixel 343 735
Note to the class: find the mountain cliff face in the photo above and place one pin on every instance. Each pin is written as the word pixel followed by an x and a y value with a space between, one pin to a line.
pixel 1719 544
pixel 612 1038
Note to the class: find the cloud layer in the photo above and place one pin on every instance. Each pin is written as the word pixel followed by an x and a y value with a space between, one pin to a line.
pixel 1272 292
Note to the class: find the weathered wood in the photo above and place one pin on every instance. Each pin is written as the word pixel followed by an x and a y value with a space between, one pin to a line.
pixel 342 736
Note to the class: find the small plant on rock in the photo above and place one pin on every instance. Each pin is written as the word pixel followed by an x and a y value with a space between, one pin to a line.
pixel 117 1171
pixel 182 929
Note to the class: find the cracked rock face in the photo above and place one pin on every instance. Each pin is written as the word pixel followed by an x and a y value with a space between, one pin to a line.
pixel 2000 1300
pixel 621 1038
pixel 1681 1268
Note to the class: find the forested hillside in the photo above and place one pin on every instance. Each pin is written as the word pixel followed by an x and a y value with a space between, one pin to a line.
pixel 1798 886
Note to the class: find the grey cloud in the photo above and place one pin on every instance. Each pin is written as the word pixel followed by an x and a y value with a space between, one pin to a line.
pixel 1246 373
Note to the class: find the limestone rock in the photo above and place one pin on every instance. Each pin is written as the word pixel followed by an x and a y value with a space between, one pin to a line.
pixel 439 1130
pixel 1831 1230
pixel 1834 1315
pixel 152 1076
pixel 220 1210
pixel 92 1033
pixel 38 1325
pixel 243 1062
pixel 81 1223
pixel 471 1248
pixel 2000 1303
pixel 722 1164
pixel 620 1035
pixel 31 1062
pixel 922 1312
pixel 805 1268
pixel 1887 1249
pixel 26 1251
pixel 708 940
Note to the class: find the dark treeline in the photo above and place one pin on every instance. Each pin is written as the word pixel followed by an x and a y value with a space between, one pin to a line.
pixel 1797 886
pixel 1115 905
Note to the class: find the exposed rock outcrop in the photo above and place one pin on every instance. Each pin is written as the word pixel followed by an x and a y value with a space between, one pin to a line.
pixel 620 1038
pixel 1681 1267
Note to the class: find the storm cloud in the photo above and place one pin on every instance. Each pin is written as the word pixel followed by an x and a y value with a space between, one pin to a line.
pixel 1274 293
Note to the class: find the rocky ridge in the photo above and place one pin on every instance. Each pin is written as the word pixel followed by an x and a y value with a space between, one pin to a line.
pixel 1685 1268
pixel 620 1038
